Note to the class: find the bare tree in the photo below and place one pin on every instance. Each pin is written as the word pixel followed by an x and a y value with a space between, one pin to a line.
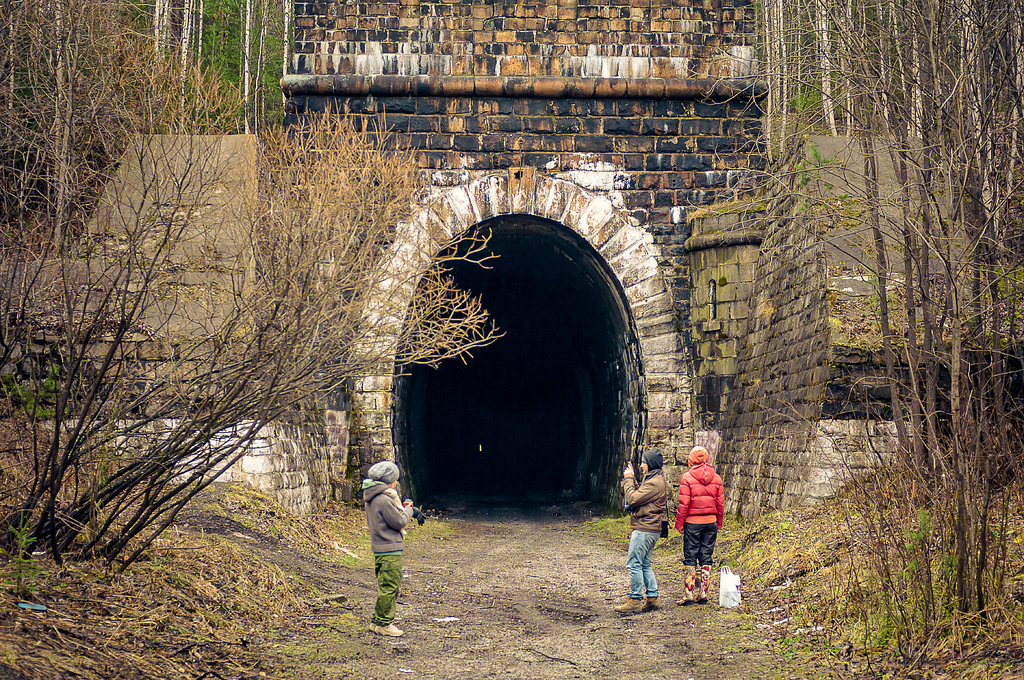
pixel 135 385
pixel 247 79
pixel 932 89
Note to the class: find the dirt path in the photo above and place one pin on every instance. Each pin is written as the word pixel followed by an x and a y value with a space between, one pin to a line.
pixel 512 594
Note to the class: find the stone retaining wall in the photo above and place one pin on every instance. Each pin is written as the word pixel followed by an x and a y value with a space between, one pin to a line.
pixel 301 465
pixel 788 413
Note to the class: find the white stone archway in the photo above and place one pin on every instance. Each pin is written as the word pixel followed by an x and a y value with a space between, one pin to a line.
pixel 627 248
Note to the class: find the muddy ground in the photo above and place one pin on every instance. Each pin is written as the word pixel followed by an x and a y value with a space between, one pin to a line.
pixel 239 590
pixel 510 593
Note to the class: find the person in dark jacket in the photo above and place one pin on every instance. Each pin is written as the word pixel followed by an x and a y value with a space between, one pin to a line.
pixel 387 516
pixel 699 517
pixel 647 500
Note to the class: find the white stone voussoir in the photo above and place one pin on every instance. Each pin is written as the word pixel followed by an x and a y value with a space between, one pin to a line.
pixel 452 210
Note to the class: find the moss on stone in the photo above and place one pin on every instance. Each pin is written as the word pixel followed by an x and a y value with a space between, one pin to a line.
pixel 725 208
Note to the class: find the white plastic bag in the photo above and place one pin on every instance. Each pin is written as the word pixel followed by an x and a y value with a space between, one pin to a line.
pixel 728 588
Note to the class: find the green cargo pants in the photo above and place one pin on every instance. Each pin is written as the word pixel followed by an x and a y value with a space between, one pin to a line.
pixel 389 577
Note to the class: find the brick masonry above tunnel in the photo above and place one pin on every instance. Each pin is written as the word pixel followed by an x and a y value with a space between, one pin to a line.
pixel 566 38
pixel 646 111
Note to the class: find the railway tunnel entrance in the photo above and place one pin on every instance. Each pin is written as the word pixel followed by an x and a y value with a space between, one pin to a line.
pixel 551 410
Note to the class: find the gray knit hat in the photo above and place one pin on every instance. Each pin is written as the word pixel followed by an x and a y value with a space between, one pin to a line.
pixel 384 471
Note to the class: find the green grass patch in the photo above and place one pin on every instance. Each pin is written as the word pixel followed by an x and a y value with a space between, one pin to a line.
pixel 610 529
pixel 432 529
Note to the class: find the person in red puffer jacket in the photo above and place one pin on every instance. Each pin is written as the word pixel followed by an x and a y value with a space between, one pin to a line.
pixel 699 517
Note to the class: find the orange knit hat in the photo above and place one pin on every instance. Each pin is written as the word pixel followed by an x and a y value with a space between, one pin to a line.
pixel 699 455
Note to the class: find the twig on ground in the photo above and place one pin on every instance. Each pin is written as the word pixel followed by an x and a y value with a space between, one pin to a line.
pixel 553 658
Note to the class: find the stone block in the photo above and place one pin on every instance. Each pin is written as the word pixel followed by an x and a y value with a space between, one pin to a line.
pixel 726 292
pixel 660 400
pixel 661 383
pixel 727 349
pixel 255 464
pixel 738 309
pixel 649 294
pixel 666 363
pixel 596 218
pixel 341 490
pixel 663 419
pixel 522 189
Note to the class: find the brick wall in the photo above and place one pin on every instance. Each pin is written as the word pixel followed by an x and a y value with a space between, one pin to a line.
pixel 648 104
pixel 657 153
pixel 569 38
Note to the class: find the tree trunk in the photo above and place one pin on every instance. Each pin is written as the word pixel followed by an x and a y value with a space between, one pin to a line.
pixel 286 9
pixel 825 64
pixel 64 106
pixel 247 67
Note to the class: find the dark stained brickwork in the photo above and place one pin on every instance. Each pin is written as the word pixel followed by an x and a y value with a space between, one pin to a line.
pixel 658 153
pixel 648 107
pixel 644 112
pixel 570 38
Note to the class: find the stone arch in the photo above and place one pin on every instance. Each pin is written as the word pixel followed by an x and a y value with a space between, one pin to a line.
pixel 626 250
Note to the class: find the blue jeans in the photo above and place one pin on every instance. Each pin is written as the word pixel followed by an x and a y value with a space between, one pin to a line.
pixel 638 564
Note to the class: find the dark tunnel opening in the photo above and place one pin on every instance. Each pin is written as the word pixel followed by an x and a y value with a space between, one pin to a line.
pixel 550 411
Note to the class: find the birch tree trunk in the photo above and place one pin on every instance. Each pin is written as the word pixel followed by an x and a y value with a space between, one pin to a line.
pixel 64 104
pixel 286 11
pixel 259 94
pixel 162 25
pixel 783 64
pixel 187 30
pixel 848 69
pixel 247 67
pixel 199 32
pixel 825 64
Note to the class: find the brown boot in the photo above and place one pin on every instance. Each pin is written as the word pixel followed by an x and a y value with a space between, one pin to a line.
pixel 631 606
pixel 651 603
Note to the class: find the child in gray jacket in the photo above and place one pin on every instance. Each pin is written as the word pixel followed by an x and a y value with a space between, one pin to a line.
pixel 387 517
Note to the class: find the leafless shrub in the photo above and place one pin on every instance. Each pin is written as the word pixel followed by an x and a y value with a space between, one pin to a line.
pixel 154 386
pixel 932 89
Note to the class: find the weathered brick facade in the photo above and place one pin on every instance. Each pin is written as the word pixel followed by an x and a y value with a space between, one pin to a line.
pixel 632 39
pixel 634 111
pixel 652 95
pixel 596 135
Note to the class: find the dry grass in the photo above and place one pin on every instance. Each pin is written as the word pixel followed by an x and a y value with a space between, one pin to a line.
pixel 197 605
pixel 808 574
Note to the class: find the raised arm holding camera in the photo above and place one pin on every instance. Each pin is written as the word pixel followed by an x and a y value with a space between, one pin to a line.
pixel 646 500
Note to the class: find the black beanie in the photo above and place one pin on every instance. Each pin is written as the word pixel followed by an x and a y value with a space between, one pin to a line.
pixel 653 459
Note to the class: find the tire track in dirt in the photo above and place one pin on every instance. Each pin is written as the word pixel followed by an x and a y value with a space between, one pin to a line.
pixel 518 594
